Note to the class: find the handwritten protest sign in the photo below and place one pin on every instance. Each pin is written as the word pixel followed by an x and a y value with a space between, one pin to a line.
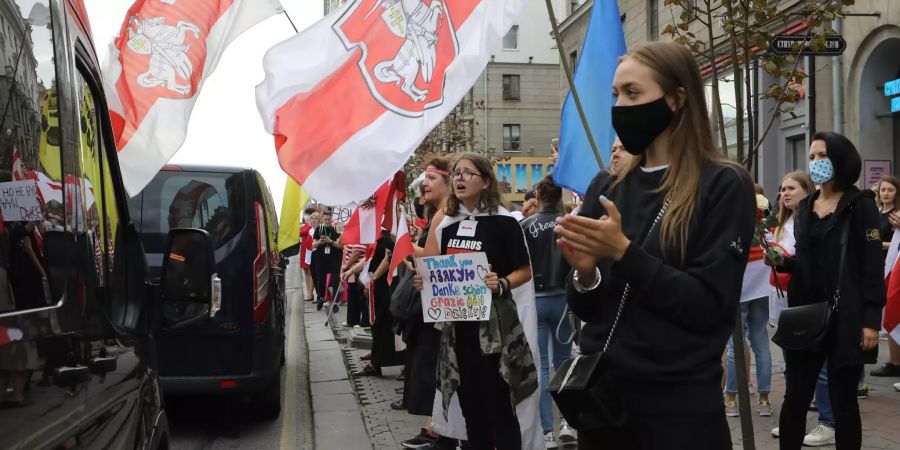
pixel 19 201
pixel 453 287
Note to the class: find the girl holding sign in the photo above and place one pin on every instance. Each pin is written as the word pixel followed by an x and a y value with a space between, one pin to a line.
pixel 659 252
pixel 492 362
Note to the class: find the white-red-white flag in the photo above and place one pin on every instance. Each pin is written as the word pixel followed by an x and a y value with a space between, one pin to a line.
pixel 376 212
pixel 350 98
pixel 403 247
pixel 891 318
pixel 157 65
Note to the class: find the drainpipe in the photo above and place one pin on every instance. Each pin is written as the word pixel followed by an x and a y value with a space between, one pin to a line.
pixel 486 128
pixel 837 87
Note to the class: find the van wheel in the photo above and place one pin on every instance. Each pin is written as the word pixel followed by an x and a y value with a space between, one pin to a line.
pixel 269 400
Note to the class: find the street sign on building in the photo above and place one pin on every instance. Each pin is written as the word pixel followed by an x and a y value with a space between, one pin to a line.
pixel 783 45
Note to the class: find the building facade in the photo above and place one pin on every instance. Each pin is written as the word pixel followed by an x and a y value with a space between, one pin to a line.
pixel 19 80
pixel 855 94
pixel 516 110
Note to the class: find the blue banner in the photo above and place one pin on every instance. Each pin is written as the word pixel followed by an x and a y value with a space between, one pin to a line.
pixel 604 43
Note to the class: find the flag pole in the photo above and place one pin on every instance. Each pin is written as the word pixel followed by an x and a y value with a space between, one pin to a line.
pixel 291 21
pixel 568 70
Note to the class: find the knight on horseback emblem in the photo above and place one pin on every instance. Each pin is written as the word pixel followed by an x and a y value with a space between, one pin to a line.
pixel 408 46
pixel 168 52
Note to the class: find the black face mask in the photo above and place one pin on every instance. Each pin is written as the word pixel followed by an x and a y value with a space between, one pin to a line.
pixel 419 208
pixel 638 125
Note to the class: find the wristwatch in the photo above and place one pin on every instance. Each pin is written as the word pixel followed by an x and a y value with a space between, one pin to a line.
pixel 580 288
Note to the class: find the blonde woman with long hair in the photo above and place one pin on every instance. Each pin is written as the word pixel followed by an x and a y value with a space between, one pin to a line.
pixel 659 253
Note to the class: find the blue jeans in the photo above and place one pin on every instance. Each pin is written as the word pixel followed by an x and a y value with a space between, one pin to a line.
pixel 755 315
pixel 823 401
pixel 550 311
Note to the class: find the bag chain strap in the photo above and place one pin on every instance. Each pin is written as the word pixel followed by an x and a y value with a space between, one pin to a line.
pixel 662 212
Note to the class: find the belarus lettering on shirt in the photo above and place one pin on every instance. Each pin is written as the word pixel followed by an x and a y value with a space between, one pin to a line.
pixel 456 245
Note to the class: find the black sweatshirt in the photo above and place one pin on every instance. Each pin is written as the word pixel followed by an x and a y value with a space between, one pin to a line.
pixel 667 350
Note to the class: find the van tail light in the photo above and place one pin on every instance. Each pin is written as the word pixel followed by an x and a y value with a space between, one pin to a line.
pixel 261 270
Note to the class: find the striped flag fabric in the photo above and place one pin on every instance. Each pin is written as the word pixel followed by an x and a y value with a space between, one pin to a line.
pixel 891 318
pixel 403 247
pixel 351 97
pixel 376 212
pixel 163 54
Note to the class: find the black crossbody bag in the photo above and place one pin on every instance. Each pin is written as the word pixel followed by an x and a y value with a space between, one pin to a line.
pixel 583 388
pixel 806 327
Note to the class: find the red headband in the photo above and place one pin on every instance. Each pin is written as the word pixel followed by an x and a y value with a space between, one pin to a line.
pixel 436 170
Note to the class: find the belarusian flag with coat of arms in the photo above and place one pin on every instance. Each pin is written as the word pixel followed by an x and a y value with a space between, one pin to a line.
pixel 164 52
pixel 351 97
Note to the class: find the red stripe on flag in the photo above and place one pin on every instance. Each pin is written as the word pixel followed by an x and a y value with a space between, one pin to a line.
pixel 324 118
pixel 321 121
pixel 892 307
pixel 403 248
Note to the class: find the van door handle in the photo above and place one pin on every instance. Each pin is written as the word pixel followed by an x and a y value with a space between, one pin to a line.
pixel 103 365
pixel 67 376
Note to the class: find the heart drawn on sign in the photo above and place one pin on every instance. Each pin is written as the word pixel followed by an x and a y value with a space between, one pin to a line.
pixel 434 313
pixel 482 272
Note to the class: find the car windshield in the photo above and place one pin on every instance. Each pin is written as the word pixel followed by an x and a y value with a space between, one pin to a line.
pixel 211 201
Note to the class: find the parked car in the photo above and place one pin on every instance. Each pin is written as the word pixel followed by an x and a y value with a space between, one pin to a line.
pixel 77 363
pixel 231 340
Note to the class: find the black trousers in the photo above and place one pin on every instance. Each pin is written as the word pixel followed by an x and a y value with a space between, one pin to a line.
pixel 708 431
pixel 357 306
pixel 801 375
pixel 483 395
pixel 423 345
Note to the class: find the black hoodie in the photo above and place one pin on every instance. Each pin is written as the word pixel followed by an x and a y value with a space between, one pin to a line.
pixel 667 350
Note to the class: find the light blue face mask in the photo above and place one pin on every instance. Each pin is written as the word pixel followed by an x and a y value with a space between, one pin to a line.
pixel 821 171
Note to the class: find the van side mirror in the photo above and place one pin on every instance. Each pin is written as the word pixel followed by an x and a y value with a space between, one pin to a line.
pixel 188 269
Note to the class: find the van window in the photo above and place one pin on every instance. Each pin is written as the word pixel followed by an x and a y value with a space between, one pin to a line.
pixel 31 191
pixel 215 202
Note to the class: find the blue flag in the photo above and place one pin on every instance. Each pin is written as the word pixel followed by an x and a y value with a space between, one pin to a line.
pixel 604 43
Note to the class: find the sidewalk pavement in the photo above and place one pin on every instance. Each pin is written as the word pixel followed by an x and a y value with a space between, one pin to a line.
pixel 386 428
pixel 338 424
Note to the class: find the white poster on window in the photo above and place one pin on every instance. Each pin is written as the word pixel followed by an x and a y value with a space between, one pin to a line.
pixel 19 201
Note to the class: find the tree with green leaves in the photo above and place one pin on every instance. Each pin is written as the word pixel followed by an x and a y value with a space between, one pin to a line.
pixel 732 37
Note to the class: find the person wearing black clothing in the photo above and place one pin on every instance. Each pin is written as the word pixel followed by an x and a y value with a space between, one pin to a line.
pixel 550 270
pixel 489 364
pixel 835 165
pixel 384 353
pixel 423 341
pixel 326 259
pixel 886 200
pixel 683 274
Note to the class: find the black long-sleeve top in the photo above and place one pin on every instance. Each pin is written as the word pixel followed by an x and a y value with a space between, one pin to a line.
pixel 667 349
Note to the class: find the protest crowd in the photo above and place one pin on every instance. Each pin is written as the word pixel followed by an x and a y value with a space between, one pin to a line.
pixel 621 312
pixel 649 301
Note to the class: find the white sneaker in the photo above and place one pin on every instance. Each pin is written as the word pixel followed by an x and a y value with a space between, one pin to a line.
pixel 897 387
pixel 776 433
pixel 566 434
pixel 820 436
pixel 550 441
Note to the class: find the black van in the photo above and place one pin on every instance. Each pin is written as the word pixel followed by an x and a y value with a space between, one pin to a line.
pixel 77 365
pixel 230 341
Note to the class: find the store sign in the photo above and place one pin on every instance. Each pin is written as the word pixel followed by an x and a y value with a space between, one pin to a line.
pixel 892 89
pixel 788 44
pixel 874 170
pixel 519 175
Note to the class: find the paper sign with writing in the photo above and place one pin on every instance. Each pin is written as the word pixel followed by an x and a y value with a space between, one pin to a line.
pixel 453 287
pixel 19 201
